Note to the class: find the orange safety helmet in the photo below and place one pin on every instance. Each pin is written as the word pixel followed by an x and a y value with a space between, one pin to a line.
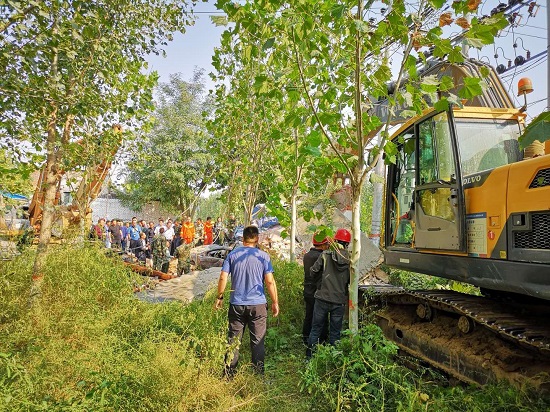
pixel 343 235
pixel 316 242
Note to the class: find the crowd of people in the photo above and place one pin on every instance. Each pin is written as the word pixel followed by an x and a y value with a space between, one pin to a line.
pixel 163 240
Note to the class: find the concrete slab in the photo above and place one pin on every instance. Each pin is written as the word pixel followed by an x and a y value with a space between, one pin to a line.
pixel 185 288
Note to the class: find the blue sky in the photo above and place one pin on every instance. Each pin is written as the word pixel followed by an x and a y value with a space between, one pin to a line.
pixel 192 49
pixel 196 46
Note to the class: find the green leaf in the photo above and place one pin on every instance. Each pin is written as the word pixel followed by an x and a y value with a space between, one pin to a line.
pixel 261 84
pixel 446 83
pixel 362 26
pixel 219 20
pixel 337 11
pixel 437 4
pixel 476 43
pixel 269 43
pixel 407 113
pixel 314 138
pixel 538 129
pixel 313 151
pixel 471 88
pixel 441 105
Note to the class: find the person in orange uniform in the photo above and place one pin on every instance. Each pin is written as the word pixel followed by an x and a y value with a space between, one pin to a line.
pixel 208 226
pixel 188 231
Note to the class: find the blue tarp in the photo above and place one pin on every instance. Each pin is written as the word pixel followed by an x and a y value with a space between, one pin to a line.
pixel 14 196
pixel 259 216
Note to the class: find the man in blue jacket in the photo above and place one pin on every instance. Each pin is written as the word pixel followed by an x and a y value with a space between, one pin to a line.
pixel 250 269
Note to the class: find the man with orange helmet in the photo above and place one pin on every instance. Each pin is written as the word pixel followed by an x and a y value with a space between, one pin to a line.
pixel 331 296
pixel 310 285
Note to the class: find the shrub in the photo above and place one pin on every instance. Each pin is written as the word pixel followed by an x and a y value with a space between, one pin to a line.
pixel 359 374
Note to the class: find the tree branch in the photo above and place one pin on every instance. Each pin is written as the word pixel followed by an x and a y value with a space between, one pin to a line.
pixel 312 106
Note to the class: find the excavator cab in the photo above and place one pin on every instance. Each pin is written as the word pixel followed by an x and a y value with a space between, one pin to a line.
pixel 461 203
pixel 425 202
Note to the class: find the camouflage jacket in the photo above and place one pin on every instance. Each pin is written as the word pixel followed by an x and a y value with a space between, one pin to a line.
pixel 158 245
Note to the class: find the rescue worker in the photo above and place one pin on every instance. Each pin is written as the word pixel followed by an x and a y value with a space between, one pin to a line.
pixel 158 249
pixel 208 228
pixel 231 226
pixel 183 253
pixel 199 232
pixel 220 231
pixel 310 286
pixel 331 296
pixel 188 231
pixel 167 258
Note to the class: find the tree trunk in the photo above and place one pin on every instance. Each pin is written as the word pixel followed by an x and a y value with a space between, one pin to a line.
pixel 357 183
pixel 377 202
pixel 293 198
pixel 355 254
pixel 52 175
pixel 249 204
pixel 293 226
pixel 48 210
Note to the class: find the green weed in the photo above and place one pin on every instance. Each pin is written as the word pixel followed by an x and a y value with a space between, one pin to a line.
pixel 90 345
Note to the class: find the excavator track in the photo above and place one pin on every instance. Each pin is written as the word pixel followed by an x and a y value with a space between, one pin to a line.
pixel 473 338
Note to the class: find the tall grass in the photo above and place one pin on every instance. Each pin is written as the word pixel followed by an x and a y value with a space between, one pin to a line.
pixel 90 345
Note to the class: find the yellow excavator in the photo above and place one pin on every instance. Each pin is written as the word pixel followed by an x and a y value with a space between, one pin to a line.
pixel 464 202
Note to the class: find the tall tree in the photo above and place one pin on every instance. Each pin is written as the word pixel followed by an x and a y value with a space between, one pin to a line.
pixel 339 55
pixel 65 62
pixel 172 163
pixel 242 122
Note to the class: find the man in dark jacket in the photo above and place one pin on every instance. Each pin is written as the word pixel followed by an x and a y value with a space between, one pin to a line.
pixel 310 286
pixel 331 296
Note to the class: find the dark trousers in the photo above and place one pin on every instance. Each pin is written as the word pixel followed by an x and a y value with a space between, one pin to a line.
pixel 308 322
pixel 134 245
pixel 240 316
pixel 174 245
pixel 321 310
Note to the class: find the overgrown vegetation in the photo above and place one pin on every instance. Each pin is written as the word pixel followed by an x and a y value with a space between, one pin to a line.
pixel 89 344
pixel 413 280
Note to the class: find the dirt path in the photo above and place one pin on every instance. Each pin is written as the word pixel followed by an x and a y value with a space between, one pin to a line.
pixel 184 288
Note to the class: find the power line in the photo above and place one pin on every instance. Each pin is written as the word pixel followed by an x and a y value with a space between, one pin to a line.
pixel 533 27
pixel 530 35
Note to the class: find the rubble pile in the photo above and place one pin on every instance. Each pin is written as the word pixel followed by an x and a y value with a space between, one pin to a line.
pixel 271 241
pixel 369 261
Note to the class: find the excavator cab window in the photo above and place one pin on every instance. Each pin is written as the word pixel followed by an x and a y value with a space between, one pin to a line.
pixel 487 143
pixel 402 194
